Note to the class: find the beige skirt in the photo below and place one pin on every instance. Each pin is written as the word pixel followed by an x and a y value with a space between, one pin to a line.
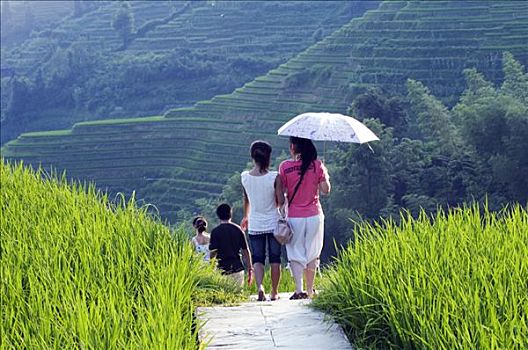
pixel 307 240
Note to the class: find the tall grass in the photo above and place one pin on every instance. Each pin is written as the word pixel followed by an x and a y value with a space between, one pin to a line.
pixel 458 280
pixel 79 272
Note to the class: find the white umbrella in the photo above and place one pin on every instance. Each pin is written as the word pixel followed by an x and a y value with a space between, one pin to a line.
pixel 327 127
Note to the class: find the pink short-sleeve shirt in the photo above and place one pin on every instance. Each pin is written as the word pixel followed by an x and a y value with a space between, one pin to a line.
pixel 306 200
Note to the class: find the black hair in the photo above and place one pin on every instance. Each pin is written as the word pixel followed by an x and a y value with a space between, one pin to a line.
pixel 200 224
pixel 306 149
pixel 223 211
pixel 260 151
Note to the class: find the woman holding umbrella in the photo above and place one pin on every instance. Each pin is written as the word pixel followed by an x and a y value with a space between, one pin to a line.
pixel 303 177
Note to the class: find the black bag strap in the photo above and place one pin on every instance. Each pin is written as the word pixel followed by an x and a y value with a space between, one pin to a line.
pixel 295 190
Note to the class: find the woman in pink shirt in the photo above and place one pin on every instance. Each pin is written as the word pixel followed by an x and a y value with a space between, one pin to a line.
pixel 303 177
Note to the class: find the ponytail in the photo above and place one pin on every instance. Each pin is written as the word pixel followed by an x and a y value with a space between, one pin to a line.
pixel 306 149
pixel 200 224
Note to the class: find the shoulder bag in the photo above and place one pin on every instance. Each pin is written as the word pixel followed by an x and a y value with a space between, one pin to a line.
pixel 283 231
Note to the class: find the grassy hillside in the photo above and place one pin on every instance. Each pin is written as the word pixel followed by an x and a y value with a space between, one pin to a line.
pixel 454 281
pixel 22 18
pixel 80 272
pixel 189 152
pixel 176 53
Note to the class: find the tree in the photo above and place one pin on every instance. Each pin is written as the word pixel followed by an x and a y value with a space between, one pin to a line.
pixel 494 123
pixel 20 96
pixel 477 87
pixel 408 159
pixel 515 79
pixel 361 181
pixel 431 117
pixel 123 23
pixel 390 110
pixel 231 193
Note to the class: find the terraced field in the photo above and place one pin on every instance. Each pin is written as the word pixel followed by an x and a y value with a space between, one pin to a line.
pixel 181 52
pixel 188 153
pixel 44 11
pixel 214 27
pixel 44 14
pixel 92 30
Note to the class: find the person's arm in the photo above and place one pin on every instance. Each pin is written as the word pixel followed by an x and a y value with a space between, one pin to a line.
pixel 324 184
pixel 279 192
pixel 325 187
pixel 246 256
pixel 283 185
pixel 244 222
pixel 212 246
pixel 212 254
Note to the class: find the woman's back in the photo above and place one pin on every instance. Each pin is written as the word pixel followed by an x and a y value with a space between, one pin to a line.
pixel 261 194
pixel 202 247
pixel 306 200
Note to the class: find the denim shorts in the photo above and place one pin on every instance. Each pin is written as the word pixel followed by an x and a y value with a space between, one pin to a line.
pixel 257 243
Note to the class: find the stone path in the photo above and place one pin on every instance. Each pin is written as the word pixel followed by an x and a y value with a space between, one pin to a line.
pixel 281 324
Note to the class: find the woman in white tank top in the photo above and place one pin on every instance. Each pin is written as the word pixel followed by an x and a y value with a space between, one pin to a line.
pixel 201 240
pixel 262 194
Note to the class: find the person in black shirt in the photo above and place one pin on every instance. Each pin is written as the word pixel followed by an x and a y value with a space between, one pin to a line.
pixel 226 242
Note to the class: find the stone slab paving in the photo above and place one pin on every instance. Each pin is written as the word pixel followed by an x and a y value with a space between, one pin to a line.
pixel 281 324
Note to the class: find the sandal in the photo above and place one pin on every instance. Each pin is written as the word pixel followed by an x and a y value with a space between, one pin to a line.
pixel 277 297
pixel 261 296
pixel 297 296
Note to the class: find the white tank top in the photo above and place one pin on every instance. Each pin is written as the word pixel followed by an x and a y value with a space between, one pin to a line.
pixel 262 206
pixel 202 249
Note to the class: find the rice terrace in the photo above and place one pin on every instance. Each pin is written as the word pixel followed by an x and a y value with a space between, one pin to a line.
pixel 264 174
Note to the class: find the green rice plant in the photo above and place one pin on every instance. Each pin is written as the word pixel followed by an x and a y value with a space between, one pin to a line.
pixel 458 280
pixel 79 272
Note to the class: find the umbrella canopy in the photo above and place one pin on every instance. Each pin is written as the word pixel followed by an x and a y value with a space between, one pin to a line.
pixel 327 127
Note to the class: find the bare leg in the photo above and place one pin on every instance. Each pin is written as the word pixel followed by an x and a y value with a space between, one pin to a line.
pixel 275 279
pixel 309 274
pixel 259 276
pixel 297 270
